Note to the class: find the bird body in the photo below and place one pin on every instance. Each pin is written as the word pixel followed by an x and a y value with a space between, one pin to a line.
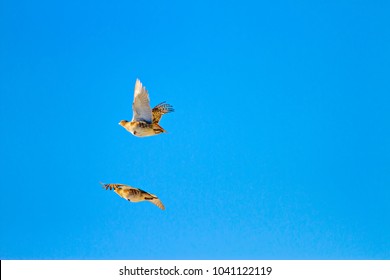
pixel 141 128
pixel 145 120
pixel 134 194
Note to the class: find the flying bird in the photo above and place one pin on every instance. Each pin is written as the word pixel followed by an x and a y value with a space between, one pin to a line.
pixel 145 120
pixel 133 194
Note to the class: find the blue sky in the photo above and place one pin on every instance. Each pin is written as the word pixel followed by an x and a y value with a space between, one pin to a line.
pixel 279 147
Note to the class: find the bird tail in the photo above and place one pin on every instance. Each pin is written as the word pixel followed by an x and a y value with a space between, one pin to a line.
pixel 158 129
pixel 108 186
pixel 104 186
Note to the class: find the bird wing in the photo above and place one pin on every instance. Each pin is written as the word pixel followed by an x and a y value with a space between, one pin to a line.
pixel 151 198
pixel 160 110
pixel 141 104
pixel 158 203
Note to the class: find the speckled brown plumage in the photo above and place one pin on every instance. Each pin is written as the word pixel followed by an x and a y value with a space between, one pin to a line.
pixel 145 121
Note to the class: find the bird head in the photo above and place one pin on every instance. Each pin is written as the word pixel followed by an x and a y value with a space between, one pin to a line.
pixel 122 122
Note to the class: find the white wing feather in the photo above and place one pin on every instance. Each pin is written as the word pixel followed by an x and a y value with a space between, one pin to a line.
pixel 141 104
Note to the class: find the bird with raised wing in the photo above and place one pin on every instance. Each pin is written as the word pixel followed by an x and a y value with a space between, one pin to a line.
pixel 133 194
pixel 145 120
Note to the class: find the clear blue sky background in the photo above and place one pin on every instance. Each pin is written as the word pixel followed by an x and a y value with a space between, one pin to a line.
pixel 279 147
